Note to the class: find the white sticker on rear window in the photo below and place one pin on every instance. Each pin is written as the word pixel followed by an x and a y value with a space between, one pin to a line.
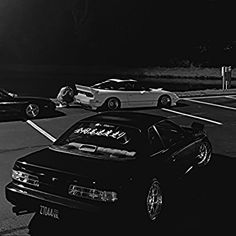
pixel 100 132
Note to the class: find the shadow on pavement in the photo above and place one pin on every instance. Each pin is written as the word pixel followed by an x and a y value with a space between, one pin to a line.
pixel 11 118
pixel 207 199
pixel 204 202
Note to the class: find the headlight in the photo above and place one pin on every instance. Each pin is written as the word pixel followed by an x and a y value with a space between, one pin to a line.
pixel 94 194
pixel 25 178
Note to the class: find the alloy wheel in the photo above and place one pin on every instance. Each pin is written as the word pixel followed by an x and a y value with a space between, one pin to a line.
pixel 154 200
pixel 165 101
pixel 204 155
pixel 32 110
pixel 113 104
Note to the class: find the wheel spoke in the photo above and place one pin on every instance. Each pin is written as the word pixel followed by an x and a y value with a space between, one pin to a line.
pixel 113 104
pixel 32 110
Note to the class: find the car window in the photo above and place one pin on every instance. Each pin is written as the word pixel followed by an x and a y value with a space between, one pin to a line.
pixel 155 142
pixel 102 139
pixel 120 86
pixel 3 95
pixel 105 85
pixel 138 87
pixel 169 132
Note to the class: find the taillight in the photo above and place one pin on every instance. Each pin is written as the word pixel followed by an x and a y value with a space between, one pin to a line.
pixel 24 177
pixel 93 194
pixel 87 94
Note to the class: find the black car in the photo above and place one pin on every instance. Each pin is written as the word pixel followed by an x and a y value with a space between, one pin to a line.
pixel 109 162
pixel 28 107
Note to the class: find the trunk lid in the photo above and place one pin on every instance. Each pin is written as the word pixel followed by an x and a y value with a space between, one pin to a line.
pixel 60 169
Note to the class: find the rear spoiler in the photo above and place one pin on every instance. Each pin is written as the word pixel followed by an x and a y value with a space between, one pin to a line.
pixel 197 126
pixel 85 89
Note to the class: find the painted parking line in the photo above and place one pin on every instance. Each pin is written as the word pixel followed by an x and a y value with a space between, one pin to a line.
pixel 213 96
pixel 192 116
pixel 211 104
pixel 231 97
pixel 204 97
pixel 40 130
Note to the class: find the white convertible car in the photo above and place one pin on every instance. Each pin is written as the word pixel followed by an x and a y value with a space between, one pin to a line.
pixel 114 94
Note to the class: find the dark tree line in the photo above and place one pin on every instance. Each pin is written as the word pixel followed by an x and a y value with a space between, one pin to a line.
pixel 117 32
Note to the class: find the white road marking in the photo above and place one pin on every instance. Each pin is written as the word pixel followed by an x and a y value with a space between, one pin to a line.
pixel 204 97
pixel 40 130
pixel 192 116
pixel 212 104
pixel 231 97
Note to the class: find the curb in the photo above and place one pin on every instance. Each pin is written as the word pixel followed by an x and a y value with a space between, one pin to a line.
pixel 207 92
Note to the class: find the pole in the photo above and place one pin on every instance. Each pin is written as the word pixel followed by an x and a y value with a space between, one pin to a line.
pixel 223 77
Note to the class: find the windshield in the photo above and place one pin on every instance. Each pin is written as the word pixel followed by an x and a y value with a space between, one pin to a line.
pixel 110 85
pixel 5 94
pixel 103 140
pixel 121 86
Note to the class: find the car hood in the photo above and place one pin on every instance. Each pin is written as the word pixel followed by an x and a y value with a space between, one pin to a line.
pixel 77 165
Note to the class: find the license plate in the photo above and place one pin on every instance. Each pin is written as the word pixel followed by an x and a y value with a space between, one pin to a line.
pixel 48 211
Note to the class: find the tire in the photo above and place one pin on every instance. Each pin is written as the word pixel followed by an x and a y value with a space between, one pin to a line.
pixel 164 101
pixel 154 201
pixel 112 104
pixel 204 154
pixel 32 110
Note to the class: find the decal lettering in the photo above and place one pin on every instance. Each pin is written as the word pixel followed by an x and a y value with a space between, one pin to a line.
pixel 93 132
pixel 105 133
pixel 117 135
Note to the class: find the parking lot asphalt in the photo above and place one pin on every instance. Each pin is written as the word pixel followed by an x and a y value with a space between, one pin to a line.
pixel 206 200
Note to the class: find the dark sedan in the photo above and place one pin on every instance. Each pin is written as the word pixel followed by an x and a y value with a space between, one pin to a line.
pixel 28 107
pixel 109 162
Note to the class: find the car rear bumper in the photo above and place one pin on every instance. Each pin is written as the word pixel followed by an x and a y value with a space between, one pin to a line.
pixel 85 106
pixel 30 200
pixel 87 102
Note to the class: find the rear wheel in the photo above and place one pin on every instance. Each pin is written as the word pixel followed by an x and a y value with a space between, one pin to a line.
pixel 112 104
pixel 154 201
pixel 164 101
pixel 204 154
pixel 32 110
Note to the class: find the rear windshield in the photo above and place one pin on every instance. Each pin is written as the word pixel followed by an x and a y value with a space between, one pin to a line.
pixel 102 139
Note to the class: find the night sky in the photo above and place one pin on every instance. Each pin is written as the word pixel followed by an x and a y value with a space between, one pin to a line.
pixel 116 32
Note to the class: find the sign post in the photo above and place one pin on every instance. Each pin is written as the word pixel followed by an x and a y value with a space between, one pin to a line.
pixel 226 77
pixel 223 77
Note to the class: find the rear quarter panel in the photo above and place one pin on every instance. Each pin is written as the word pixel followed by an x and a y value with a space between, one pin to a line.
pixel 103 95
pixel 159 92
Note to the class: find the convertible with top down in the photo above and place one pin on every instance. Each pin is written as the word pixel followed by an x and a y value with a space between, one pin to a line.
pixel 114 94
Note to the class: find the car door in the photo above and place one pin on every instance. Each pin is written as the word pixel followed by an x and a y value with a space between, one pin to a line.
pixel 138 96
pixel 180 148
